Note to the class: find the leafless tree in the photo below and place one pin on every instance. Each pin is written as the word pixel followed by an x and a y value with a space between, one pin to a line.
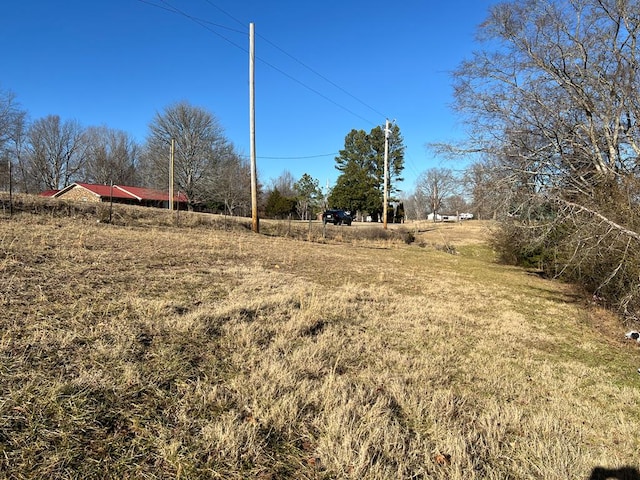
pixel 232 184
pixel 558 99
pixel 19 156
pixel 553 102
pixel 199 145
pixel 434 186
pixel 285 184
pixel 489 190
pixel 112 156
pixel 12 127
pixel 56 152
pixel 10 111
pixel 415 206
pixel 456 204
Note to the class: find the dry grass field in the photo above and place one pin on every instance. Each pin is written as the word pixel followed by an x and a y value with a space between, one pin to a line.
pixel 142 350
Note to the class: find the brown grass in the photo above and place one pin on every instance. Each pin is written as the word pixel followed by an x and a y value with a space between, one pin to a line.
pixel 142 350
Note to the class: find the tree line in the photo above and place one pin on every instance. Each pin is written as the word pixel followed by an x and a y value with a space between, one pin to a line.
pixel 50 153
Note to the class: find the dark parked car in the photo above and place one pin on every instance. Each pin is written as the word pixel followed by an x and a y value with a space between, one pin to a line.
pixel 337 217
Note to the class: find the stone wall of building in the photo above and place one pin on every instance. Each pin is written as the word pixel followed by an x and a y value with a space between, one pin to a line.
pixel 80 194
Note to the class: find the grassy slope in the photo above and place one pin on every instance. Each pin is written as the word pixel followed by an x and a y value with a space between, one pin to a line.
pixel 196 353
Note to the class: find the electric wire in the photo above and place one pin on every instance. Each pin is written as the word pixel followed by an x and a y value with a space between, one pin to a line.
pixel 240 22
pixel 329 81
pixel 296 157
pixel 204 23
pixel 170 8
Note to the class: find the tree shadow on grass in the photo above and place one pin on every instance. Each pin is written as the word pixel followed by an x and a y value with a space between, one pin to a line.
pixel 624 473
pixel 558 296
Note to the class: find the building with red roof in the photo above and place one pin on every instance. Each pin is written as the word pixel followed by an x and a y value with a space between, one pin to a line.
pixel 146 197
pixel 48 193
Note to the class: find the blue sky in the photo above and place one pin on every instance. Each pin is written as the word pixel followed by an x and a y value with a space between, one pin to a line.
pixel 322 69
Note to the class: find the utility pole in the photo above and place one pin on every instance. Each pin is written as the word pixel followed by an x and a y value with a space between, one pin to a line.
pixel 255 221
pixel 171 161
pixel 386 173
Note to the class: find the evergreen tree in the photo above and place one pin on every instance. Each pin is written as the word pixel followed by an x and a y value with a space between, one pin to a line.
pixel 360 186
pixel 309 195
pixel 399 213
pixel 279 206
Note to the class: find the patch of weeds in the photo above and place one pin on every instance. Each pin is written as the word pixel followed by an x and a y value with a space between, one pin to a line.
pixel 446 248
pixel 408 237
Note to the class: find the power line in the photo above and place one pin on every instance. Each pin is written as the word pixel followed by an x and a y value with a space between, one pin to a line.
pixel 302 63
pixel 170 8
pixel 225 12
pixel 324 78
pixel 208 24
pixel 299 157
pixel 317 92
pixel 204 23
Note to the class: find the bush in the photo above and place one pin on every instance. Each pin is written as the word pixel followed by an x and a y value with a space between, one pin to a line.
pixel 409 237
pixel 576 249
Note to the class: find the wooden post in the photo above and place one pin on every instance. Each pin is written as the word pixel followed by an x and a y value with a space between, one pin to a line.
pixel 111 202
pixel 171 161
pixel 178 210
pixel 10 189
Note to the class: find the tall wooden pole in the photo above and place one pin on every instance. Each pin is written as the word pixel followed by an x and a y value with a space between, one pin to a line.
pixel 171 162
pixel 255 221
pixel 386 173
